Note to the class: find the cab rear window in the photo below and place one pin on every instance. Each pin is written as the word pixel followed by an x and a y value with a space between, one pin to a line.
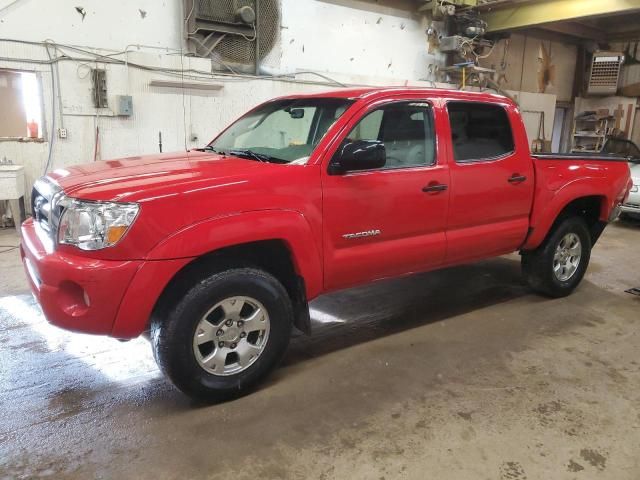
pixel 479 131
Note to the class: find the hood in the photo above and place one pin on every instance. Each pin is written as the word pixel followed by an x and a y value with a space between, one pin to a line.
pixel 144 177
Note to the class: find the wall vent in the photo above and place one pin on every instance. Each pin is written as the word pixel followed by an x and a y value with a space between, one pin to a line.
pixel 605 73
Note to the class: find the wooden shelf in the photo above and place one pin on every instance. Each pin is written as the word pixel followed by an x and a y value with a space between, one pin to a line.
pixel 589 137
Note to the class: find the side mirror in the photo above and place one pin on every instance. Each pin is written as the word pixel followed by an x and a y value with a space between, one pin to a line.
pixel 358 155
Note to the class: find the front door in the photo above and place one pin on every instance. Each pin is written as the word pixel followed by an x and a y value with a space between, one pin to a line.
pixel 387 221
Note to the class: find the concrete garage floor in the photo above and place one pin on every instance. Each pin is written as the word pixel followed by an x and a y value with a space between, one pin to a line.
pixel 460 374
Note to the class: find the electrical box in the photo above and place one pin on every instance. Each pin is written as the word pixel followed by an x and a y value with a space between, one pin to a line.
pixel 605 73
pixel 452 44
pixel 124 105
pixel 99 78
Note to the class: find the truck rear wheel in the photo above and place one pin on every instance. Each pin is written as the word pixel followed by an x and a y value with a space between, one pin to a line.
pixel 557 266
pixel 225 335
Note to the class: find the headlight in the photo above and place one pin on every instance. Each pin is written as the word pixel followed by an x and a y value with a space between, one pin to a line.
pixel 94 225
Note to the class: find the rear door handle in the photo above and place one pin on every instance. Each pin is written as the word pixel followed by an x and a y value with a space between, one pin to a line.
pixel 515 178
pixel 434 187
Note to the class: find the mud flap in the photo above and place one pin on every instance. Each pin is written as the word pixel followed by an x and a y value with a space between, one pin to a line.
pixel 596 230
pixel 302 317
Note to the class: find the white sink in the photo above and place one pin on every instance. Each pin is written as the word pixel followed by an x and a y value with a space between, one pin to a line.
pixel 11 182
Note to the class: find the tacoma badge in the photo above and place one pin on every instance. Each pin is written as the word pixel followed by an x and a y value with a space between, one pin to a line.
pixel 368 233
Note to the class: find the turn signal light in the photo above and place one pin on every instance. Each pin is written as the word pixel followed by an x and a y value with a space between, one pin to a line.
pixel 115 233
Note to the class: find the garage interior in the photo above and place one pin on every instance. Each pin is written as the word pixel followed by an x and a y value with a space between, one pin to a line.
pixel 462 373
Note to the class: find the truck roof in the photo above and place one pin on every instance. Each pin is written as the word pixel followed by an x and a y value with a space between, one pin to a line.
pixel 363 92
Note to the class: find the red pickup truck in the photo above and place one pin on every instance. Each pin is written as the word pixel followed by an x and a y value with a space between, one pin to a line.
pixel 214 253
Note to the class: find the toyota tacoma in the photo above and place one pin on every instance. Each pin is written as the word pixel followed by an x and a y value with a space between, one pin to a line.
pixel 215 253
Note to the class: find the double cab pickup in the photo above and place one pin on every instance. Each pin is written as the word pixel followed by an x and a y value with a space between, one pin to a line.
pixel 215 253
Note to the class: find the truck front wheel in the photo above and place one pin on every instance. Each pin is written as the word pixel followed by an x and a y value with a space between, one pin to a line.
pixel 224 335
pixel 557 266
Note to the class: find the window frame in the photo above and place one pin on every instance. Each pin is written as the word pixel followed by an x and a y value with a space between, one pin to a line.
pixel 484 159
pixel 429 106
pixel 42 120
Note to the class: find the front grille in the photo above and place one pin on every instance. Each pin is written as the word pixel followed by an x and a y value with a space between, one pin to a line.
pixel 46 212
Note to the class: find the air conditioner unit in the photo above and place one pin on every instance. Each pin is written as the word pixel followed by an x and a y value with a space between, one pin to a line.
pixel 233 31
pixel 605 73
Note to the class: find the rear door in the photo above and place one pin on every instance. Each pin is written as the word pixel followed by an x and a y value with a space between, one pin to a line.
pixel 492 180
pixel 387 221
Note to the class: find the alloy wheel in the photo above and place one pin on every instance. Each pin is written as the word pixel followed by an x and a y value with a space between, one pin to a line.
pixel 231 336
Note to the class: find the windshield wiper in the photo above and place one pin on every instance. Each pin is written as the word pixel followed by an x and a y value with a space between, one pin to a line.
pixel 261 157
pixel 209 148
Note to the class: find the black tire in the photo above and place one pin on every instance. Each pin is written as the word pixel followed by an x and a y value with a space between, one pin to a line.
pixel 172 334
pixel 537 265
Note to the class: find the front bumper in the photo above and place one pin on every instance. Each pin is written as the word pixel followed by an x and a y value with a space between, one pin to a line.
pixel 76 293
pixel 632 205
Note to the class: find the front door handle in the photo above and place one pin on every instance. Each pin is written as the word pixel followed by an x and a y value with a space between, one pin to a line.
pixel 515 178
pixel 434 187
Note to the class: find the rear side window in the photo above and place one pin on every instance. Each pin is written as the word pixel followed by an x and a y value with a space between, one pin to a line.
pixel 479 131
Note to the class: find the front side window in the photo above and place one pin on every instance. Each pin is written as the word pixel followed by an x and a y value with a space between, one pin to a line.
pixel 284 131
pixel 405 129
pixel 479 131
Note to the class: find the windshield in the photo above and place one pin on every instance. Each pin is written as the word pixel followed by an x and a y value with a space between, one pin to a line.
pixel 283 131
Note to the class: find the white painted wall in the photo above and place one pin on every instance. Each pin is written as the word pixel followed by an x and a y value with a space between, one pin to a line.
pixel 108 24
pixel 378 42
pixel 355 37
